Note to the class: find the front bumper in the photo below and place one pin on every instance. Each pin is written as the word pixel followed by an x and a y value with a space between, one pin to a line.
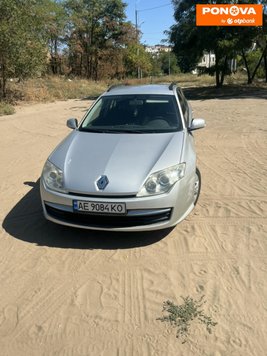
pixel 143 214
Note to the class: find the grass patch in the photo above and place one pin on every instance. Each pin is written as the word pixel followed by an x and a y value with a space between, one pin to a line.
pixel 183 79
pixel 56 88
pixel 51 88
pixel 6 108
pixel 191 80
pixel 182 316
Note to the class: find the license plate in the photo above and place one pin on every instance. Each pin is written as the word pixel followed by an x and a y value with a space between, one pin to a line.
pixel 99 208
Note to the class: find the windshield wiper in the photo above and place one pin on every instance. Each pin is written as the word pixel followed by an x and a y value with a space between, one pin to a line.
pixel 97 130
pixel 112 130
pixel 119 131
pixel 130 131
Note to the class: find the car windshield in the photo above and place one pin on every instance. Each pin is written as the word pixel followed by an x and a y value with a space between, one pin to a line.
pixel 133 114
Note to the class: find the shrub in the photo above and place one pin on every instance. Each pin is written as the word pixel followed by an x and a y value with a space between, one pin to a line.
pixel 6 109
pixel 181 316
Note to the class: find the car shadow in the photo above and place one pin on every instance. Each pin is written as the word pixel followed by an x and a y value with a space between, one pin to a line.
pixel 25 222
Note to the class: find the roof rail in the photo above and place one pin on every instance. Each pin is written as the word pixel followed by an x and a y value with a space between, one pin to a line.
pixel 116 86
pixel 172 85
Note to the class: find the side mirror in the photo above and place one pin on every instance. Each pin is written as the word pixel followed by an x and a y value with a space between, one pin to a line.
pixel 72 123
pixel 197 124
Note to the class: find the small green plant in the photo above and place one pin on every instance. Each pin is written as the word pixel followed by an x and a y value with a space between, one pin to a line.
pixel 181 316
pixel 6 109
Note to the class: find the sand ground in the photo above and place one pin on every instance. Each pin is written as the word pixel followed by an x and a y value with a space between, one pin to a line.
pixel 71 292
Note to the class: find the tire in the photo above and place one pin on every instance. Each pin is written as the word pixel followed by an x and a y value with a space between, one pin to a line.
pixel 197 186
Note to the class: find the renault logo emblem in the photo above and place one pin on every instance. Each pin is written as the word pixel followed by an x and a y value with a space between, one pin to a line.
pixel 102 182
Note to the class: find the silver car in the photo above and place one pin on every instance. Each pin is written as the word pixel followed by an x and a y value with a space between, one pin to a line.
pixel 130 165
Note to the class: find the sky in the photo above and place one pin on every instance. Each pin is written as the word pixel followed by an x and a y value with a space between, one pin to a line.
pixel 154 17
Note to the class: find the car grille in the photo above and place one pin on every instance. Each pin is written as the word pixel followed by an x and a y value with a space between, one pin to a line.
pixel 107 221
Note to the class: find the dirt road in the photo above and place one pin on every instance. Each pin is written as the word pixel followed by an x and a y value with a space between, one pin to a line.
pixel 71 292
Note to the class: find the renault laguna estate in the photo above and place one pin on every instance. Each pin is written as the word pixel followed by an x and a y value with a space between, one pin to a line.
pixel 129 165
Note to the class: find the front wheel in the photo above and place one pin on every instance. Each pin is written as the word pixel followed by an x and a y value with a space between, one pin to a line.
pixel 197 185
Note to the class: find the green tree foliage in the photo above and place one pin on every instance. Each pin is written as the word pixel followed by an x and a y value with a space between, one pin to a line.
pixel 87 38
pixel 138 62
pixel 191 41
pixel 168 62
pixel 252 46
pixel 164 63
pixel 22 46
pixel 262 42
pixel 55 26
pixel 94 27
pixel 90 38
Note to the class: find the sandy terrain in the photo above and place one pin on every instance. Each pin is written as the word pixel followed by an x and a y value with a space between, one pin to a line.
pixel 71 292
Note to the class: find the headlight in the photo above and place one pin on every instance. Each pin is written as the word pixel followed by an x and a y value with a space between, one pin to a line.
pixel 162 181
pixel 53 177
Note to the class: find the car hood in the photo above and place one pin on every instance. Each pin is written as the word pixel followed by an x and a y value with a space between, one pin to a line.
pixel 126 159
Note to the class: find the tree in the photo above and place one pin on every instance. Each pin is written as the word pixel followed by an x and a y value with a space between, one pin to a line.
pixel 253 39
pixel 22 47
pixel 55 31
pixel 191 41
pixel 112 63
pixel 94 26
pixel 168 63
pixel 137 60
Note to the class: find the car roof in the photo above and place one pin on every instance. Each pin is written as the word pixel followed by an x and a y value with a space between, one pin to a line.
pixel 160 89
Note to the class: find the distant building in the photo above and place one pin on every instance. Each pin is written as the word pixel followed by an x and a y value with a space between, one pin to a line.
pixel 207 61
pixel 157 49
